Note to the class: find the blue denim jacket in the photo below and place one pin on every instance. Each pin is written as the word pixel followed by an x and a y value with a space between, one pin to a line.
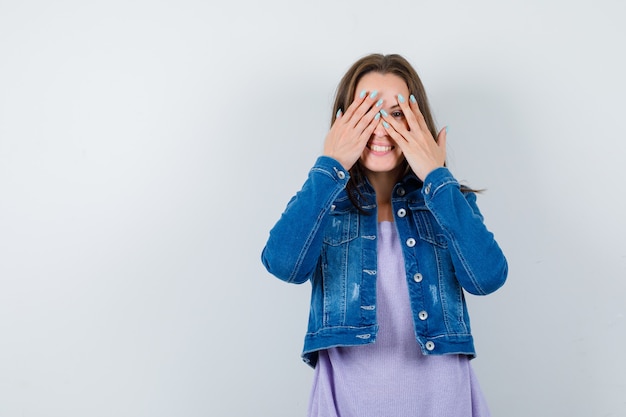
pixel 322 238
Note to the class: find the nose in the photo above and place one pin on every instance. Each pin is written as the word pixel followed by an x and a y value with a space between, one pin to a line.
pixel 379 130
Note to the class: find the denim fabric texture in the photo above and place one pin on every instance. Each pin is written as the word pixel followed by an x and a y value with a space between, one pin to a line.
pixel 322 238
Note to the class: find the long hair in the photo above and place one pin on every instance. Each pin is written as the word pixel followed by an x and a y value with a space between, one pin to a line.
pixel 383 64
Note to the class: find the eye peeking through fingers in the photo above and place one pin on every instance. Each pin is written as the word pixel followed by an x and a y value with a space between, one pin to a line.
pixel 397 114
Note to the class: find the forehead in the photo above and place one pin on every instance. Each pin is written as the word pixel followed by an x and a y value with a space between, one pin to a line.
pixel 382 82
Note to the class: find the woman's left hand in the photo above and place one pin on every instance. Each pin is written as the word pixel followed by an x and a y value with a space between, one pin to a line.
pixel 420 149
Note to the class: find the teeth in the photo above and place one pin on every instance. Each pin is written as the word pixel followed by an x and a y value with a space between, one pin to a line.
pixel 377 148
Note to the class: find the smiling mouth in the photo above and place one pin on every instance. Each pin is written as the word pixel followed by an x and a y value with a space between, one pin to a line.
pixel 379 148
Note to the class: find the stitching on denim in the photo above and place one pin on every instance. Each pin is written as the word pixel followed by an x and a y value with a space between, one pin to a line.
pixel 314 230
pixel 344 298
pixel 443 184
pixel 467 268
pixel 323 171
pixel 445 336
pixel 425 230
pixel 458 251
pixel 462 258
pixel 442 299
pixel 340 327
pixel 461 317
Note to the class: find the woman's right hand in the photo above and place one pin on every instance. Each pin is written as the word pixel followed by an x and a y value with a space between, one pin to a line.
pixel 351 130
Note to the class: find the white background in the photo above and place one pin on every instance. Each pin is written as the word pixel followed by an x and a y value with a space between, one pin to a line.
pixel 147 147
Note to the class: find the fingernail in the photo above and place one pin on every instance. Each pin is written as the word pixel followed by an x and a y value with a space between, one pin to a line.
pixel 446 130
pixel 383 112
pixel 412 98
pixel 386 125
pixel 401 98
pixel 379 103
pixel 373 94
pixel 338 114
pixel 363 93
pixel 377 116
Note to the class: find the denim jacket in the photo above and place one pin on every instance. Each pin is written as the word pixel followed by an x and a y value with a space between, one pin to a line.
pixel 322 237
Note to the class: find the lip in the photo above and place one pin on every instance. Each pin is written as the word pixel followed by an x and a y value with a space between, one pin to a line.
pixel 380 149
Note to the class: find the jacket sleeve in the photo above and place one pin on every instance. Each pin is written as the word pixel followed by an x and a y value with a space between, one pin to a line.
pixel 479 263
pixel 295 242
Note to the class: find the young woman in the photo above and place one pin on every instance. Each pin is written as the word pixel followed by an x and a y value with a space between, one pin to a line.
pixel 389 241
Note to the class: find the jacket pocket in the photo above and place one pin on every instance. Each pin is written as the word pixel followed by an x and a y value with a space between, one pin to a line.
pixel 427 228
pixel 342 228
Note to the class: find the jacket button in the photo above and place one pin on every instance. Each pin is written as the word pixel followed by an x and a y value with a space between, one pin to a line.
pixel 423 315
pixel 410 242
pixel 341 175
pixel 401 212
pixel 427 189
pixel 417 277
pixel 401 191
pixel 430 346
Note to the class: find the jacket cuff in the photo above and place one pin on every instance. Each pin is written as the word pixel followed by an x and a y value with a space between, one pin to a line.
pixel 436 180
pixel 331 167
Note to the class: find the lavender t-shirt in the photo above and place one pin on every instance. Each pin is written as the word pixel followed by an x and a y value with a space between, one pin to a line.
pixel 391 377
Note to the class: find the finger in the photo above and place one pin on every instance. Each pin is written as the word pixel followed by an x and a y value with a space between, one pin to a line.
pixel 366 122
pixel 397 136
pixel 397 125
pixel 408 109
pixel 366 101
pixel 353 106
pixel 417 113
pixel 442 137
pixel 369 129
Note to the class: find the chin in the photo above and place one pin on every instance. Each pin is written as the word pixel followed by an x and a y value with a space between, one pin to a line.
pixel 382 167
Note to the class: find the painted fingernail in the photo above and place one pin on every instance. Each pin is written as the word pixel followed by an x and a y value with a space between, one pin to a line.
pixel 373 94
pixel 377 116
pixel 338 114
pixel 379 103
pixel 412 98
pixel 401 98
pixel 363 93
pixel 383 112
pixel 386 125
pixel 446 130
